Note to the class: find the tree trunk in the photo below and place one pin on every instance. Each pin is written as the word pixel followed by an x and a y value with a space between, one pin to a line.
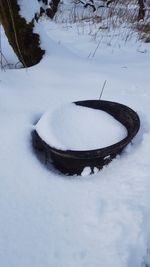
pixel 24 42
pixel 52 8
pixel 48 8
pixel 141 14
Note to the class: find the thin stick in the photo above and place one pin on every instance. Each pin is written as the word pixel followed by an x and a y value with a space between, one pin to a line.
pixel 1 60
pixel 15 32
pixel 96 48
pixel 102 89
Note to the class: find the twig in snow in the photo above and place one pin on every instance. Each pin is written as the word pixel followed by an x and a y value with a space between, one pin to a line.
pixel 102 89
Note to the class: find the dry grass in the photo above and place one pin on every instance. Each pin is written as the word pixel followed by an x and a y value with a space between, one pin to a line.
pixel 120 18
pixel 144 31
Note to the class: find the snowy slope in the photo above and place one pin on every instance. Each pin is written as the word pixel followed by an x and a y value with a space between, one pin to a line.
pixel 47 219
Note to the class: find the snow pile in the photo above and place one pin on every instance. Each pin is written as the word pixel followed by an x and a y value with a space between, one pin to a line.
pixel 73 127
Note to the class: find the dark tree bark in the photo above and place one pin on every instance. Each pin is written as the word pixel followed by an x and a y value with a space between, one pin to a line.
pixel 25 43
pixel 48 7
pixel 52 9
pixel 141 14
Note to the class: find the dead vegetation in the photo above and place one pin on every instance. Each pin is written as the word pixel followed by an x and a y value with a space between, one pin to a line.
pixel 103 17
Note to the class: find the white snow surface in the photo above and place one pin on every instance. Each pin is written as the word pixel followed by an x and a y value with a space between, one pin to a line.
pixel 47 219
pixel 86 171
pixel 72 127
pixel 27 10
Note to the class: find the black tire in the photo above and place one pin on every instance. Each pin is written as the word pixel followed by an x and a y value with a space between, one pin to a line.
pixel 73 162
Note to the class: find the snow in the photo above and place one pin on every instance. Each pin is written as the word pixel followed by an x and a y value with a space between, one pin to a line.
pixel 73 127
pixel 95 170
pixel 27 10
pixel 86 171
pixel 10 58
pixel 47 219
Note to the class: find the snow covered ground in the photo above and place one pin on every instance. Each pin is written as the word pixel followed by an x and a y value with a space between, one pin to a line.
pixel 47 219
